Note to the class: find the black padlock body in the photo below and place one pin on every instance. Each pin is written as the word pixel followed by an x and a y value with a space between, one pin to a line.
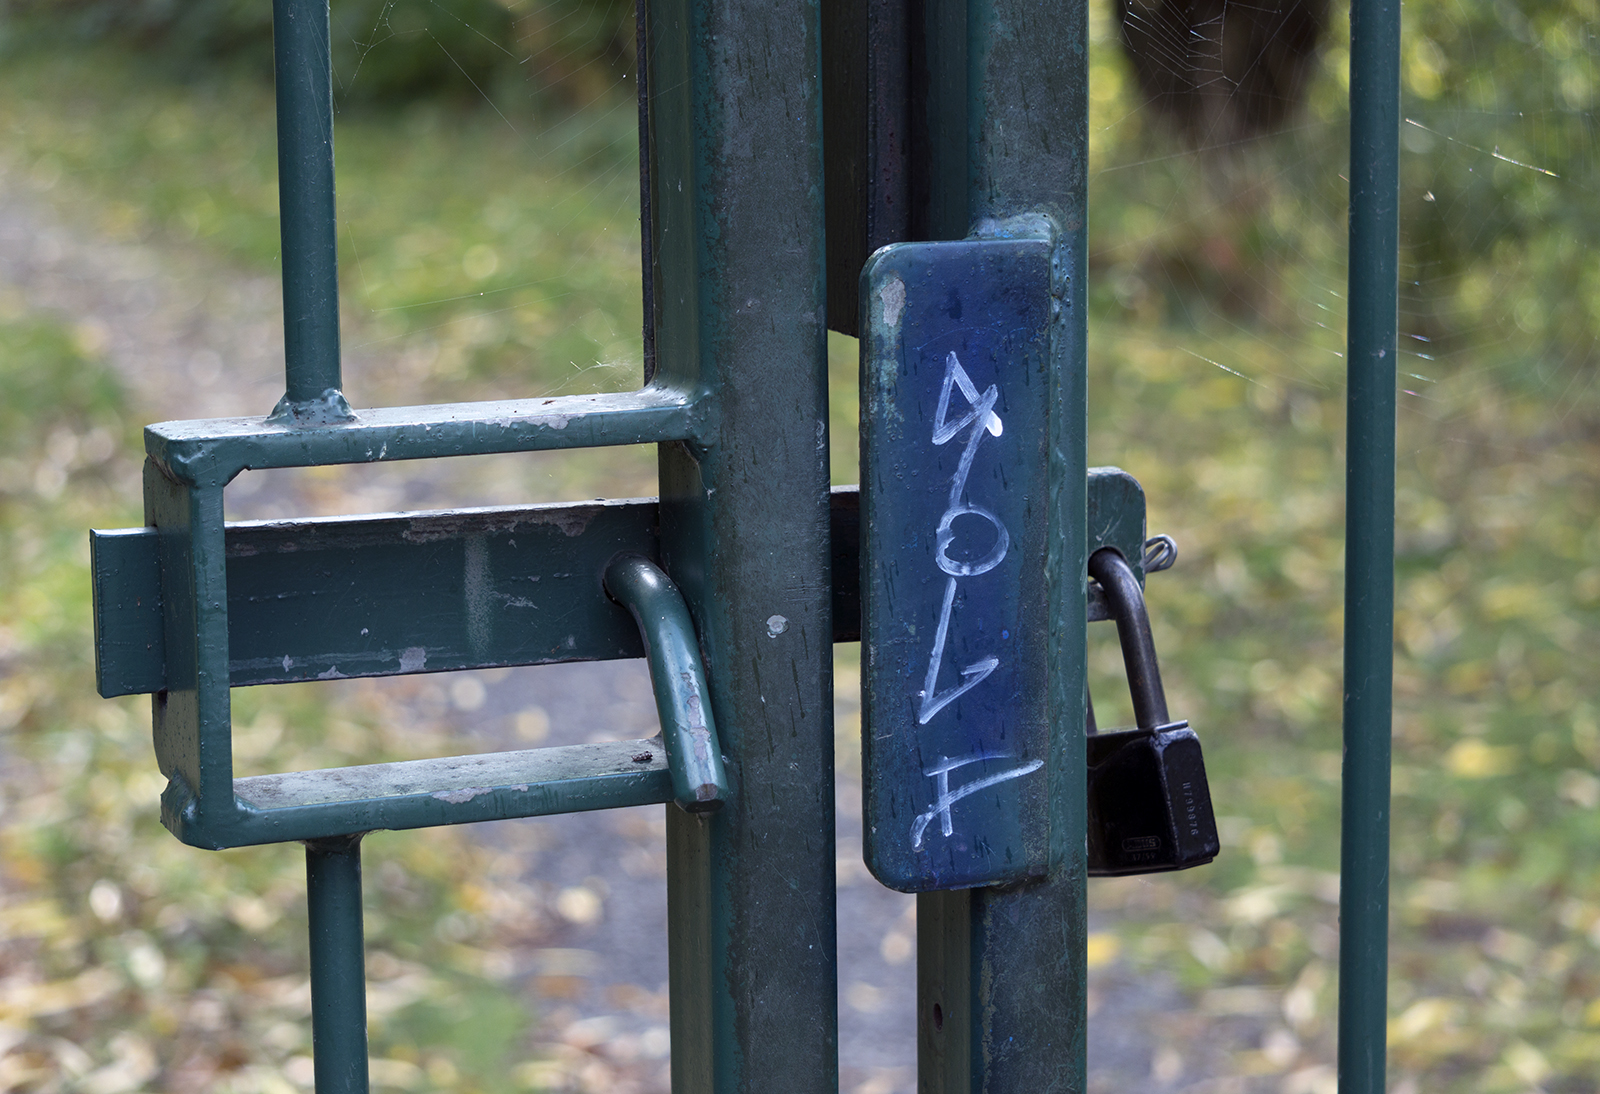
pixel 1149 804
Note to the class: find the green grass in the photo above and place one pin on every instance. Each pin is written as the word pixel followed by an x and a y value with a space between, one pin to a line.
pixel 509 278
pixel 1215 378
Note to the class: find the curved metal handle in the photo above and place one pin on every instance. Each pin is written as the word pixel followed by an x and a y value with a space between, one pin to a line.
pixel 694 755
pixel 1126 599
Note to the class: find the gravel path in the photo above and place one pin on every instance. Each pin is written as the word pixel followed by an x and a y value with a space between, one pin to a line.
pixel 196 338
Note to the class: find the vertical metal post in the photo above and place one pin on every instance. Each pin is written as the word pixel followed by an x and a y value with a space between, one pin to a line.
pixel 1001 972
pixel 304 71
pixel 737 240
pixel 1369 543
pixel 338 965
pixel 945 113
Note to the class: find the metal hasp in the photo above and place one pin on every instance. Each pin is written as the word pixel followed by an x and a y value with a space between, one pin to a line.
pixel 1369 543
pixel 694 755
pixel 955 413
pixel 327 598
pixel 1149 800
pixel 1001 136
pixel 397 593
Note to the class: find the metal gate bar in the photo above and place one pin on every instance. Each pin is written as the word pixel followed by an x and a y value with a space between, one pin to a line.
pixel 1369 543
pixel 303 67
pixel 1001 975
pixel 736 240
pixel 338 965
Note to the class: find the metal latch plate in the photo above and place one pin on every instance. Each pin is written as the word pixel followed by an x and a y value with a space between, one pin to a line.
pixel 955 412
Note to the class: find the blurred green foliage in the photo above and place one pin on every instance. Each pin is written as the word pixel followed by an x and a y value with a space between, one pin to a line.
pixel 384 51
pixel 1216 334
pixel 458 286
pixel 1497 208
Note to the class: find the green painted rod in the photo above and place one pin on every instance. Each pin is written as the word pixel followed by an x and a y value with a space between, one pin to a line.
pixel 1369 543
pixel 338 965
pixel 694 755
pixel 304 71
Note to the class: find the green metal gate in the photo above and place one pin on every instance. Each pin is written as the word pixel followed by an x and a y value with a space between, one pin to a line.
pixel 947 120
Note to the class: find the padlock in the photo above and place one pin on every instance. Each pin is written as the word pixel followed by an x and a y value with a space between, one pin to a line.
pixel 1149 804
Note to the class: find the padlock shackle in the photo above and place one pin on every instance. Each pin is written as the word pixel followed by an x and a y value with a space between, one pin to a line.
pixel 1126 601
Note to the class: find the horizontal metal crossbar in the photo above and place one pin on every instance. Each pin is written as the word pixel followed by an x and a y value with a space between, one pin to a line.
pixel 392 594
pixel 427 793
pixel 212 451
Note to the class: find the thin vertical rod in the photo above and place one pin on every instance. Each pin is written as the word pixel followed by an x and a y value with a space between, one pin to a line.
pixel 1369 543
pixel 338 965
pixel 304 71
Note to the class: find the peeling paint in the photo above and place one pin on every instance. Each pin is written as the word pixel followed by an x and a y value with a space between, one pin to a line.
pixel 894 301
pixel 572 522
pixel 572 519
pixel 413 658
pixel 464 795
pixel 478 594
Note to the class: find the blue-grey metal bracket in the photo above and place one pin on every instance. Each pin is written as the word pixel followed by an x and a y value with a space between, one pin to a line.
pixel 959 518
pixel 389 594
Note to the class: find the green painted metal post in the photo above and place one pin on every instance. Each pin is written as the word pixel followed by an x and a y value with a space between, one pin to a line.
pixel 1001 972
pixel 737 241
pixel 1369 543
pixel 946 117
pixel 338 965
pixel 304 72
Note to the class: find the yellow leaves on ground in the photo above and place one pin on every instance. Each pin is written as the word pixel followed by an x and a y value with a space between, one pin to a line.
pixel 23 999
pixel 1473 758
pixel 1103 948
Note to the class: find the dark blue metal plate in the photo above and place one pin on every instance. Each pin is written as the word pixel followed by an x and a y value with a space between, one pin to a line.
pixel 954 492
